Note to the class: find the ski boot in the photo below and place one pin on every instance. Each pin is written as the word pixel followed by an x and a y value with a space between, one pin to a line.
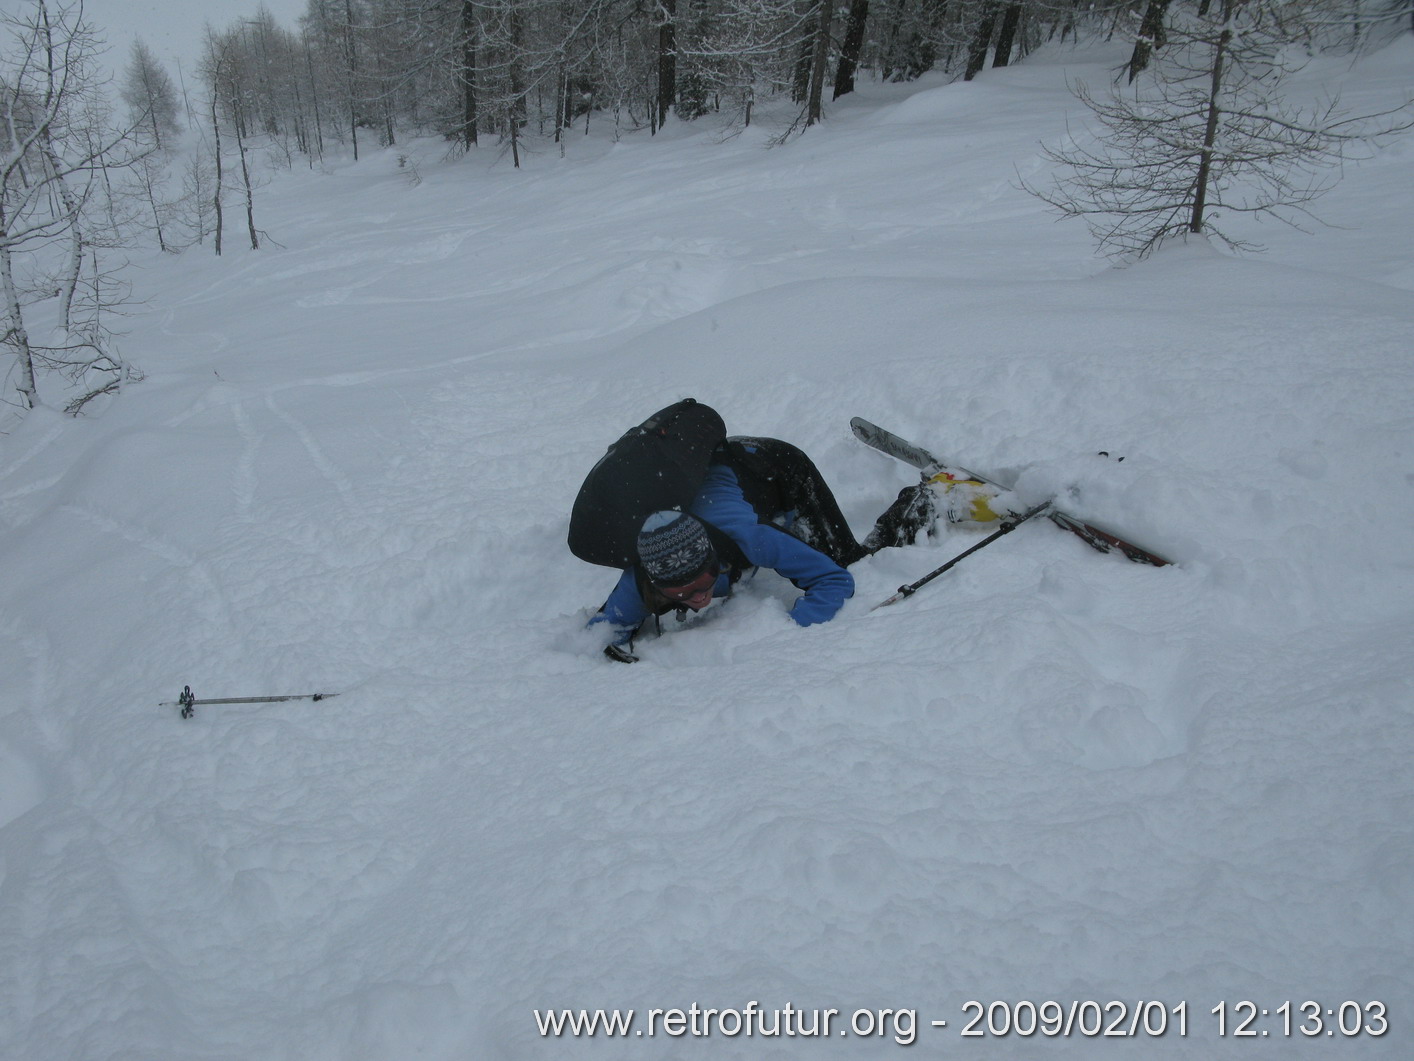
pixel 914 511
pixel 970 501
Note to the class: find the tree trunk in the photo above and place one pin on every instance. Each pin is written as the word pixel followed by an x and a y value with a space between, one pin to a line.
pixel 819 58
pixel 468 73
pixel 314 101
pixel 156 129
pixel 516 109
pixel 156 213
pixel 1210 135
pixel 667 60
pixel 249 195
pixel 301 120
pixel 15 334
pixel 981 42
pixel 1151 36
pixel 1006 36
pixel 800 81
pixel 851 48
pixel 351 59
pixel 216 153
pixel 562 108
pixel 76 243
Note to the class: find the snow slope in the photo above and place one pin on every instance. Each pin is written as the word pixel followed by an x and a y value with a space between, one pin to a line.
pixel 1051 776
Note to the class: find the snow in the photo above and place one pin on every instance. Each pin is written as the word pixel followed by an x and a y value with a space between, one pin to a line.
pixel 1052 775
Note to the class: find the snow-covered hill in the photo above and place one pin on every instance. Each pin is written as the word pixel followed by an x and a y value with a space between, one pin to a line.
pixel 1053 775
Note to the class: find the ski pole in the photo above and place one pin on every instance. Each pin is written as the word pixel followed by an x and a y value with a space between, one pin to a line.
pixel 188 701
pixel 1006 528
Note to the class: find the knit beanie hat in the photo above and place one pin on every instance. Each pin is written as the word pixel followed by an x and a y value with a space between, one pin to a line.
pixel 673 547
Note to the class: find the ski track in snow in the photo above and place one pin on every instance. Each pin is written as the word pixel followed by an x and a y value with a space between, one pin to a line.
pixel 1052 774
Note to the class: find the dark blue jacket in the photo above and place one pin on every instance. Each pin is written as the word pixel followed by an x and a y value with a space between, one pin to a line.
pixel 721 504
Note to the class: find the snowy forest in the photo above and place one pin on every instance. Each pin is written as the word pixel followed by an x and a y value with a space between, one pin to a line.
pixel 465 69
pixel 90 168
pixel 85 174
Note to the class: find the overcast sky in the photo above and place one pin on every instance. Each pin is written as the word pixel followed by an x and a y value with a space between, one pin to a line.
pixel 173 29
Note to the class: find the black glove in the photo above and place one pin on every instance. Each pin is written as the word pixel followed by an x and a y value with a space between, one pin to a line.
pixel 619 654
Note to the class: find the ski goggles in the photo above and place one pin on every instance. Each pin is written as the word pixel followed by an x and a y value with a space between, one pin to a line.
pixel 687 591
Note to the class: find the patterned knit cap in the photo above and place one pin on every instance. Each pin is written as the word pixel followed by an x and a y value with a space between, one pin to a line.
pixel 673 548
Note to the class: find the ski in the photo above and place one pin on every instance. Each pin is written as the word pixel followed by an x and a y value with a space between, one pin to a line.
pixel 1096 537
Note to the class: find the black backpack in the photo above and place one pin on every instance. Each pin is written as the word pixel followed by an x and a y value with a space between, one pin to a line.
pixel 660 464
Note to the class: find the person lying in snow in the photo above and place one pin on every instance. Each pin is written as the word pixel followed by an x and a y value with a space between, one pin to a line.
pixel 763 504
